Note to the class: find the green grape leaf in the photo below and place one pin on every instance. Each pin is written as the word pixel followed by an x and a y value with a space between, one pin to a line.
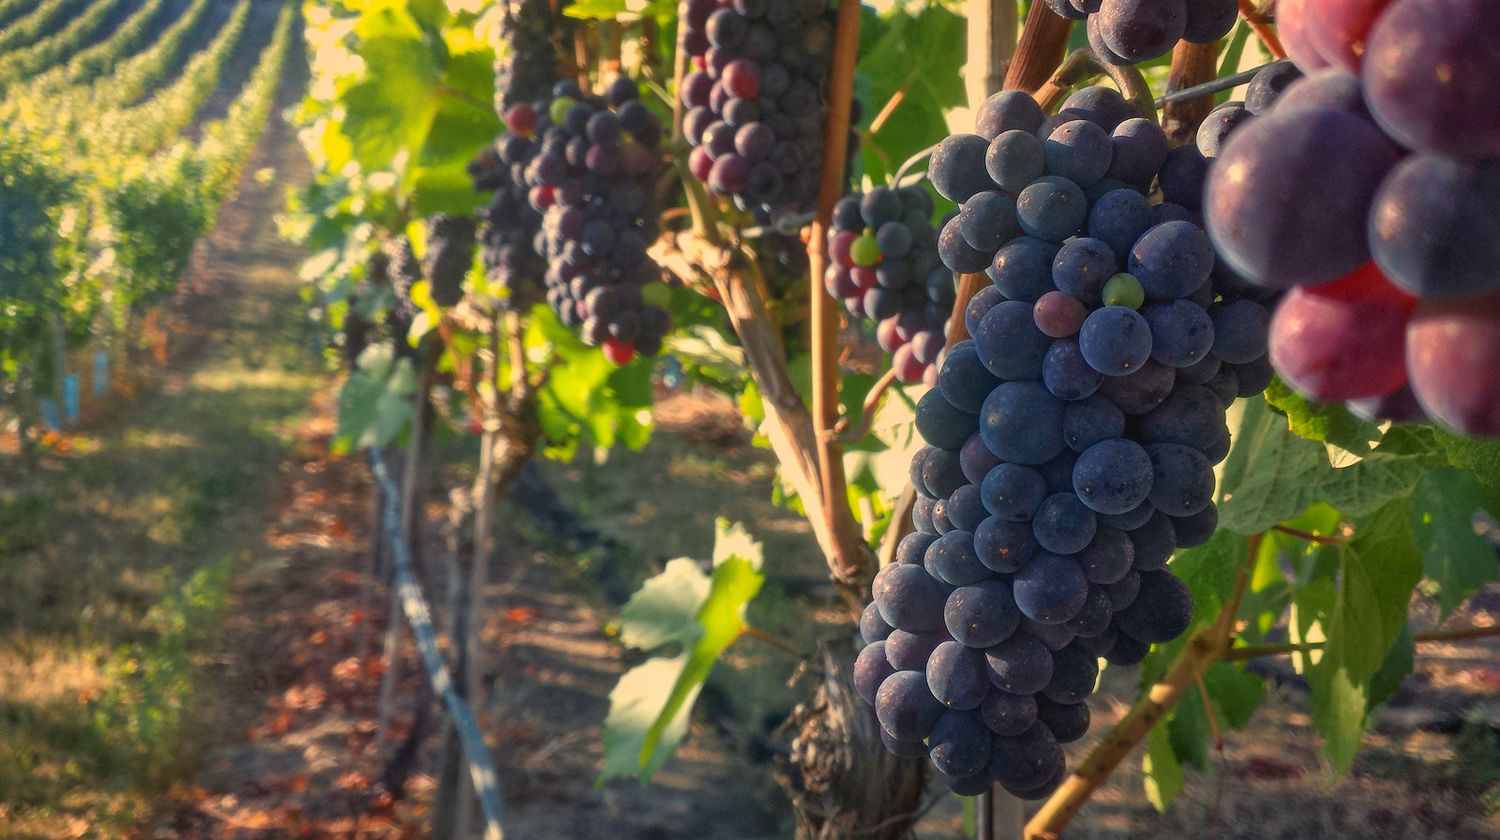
pixel 1162 773
pixel 696 614
pixel 1330 423
pixel 1272 475
pixel 1377 570
pixel 921 53
pixel 587 398
pixel 389 107
pixel 375 402
pixel 1453 553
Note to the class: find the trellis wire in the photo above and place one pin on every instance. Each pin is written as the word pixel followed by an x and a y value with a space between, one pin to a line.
pixel 477 753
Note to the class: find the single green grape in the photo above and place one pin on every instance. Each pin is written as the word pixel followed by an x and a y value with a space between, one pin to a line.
pixel 1124 290
pixel 558 111
pixel 865 251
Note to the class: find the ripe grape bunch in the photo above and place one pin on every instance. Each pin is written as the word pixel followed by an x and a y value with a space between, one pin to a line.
pixel 527 68
pixel 883 263
pixel 1368 192
pixel 508 223
pixel 591 175
pixel 1071 442
pixel 1128 31
pixel 755 97
pixel 450 252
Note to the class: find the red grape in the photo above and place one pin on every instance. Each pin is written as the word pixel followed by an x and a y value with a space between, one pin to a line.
pixel 1453 351
pixel 1343 340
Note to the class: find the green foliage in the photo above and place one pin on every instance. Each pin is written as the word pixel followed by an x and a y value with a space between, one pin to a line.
pixel 587 399
pixel 375 403
pixel 919 55
pixel 688 618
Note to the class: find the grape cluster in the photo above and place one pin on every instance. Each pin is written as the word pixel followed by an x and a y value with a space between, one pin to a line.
pixel 526 68
pixel 508 223
pixel 883 263
pixel 590 162
pixel 756 97
pixel 1071 440
pixel 1128 31
pixel 450 252
pixel 1369 192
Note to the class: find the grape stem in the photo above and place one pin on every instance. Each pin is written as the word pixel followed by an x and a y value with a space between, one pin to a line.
pixel 848 434
pixel 753 632
pixel 1192 64
pixel 1308 535
pixel 1261 29
pixel 910 163
pixel 891 104
pixel 850 564
pixel 1205 647
pixel 1044 41
pixel 1244 652
pixel 1083 64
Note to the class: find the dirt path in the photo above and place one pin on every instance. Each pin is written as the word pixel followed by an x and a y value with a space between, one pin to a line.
pixel 115 557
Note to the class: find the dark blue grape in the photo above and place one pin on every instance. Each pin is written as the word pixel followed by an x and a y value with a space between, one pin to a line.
pixel 1193 531
pixel 1192 416
pixel 988 220
pixel 952 559
pixel 1090 421
pixel 941 473
pixel 1113 476
pixel 1009 343
pixel 1108 557
pixel 1052 208
pixel 982 614
pixel 1115 340
pixel 964 379
pixel 1083 265
pixel 960 744
pixel 1105 106
pixel 1117 220
pixel 1172 260
pixel 977 460
pixel 1068 721
pixel 1026 761
pixel 1139 149
pixel 910 651
pixel 1181 332
pixel 1004 546
pixel 1058 472
pixel 909 599
pixel 957 169
pixel 1008 110
pixel 941 424
pixel 1022 269
pixel 1182 480
pixel 1240 329
pixel 1021 422
pixel 1123 591
pixel 913 547
pixel 1013 492
pixel 1129 520
pixel 1063 524
pixel 1154 542
pixel 1141 391
pixel 983 301
pixel 1079 151
pixel 1066 374
pixel 1093 619
pixel 1050 589
pixel 1161 611
pixel 1214 132
pixel 1019 665
pixel 906 708
pixel 1054 636
pixel 1127 651
pixel 870 670
pixel 1268 85
pixel 958 676
pixel 1008 714
pixel 872 628
pixel 965 509
pixel 957 254
pixel 1015 159
pixel 1073 675
pixel 1182 177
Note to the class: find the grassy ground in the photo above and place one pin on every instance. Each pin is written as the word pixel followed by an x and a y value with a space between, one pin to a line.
pixel 115 556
